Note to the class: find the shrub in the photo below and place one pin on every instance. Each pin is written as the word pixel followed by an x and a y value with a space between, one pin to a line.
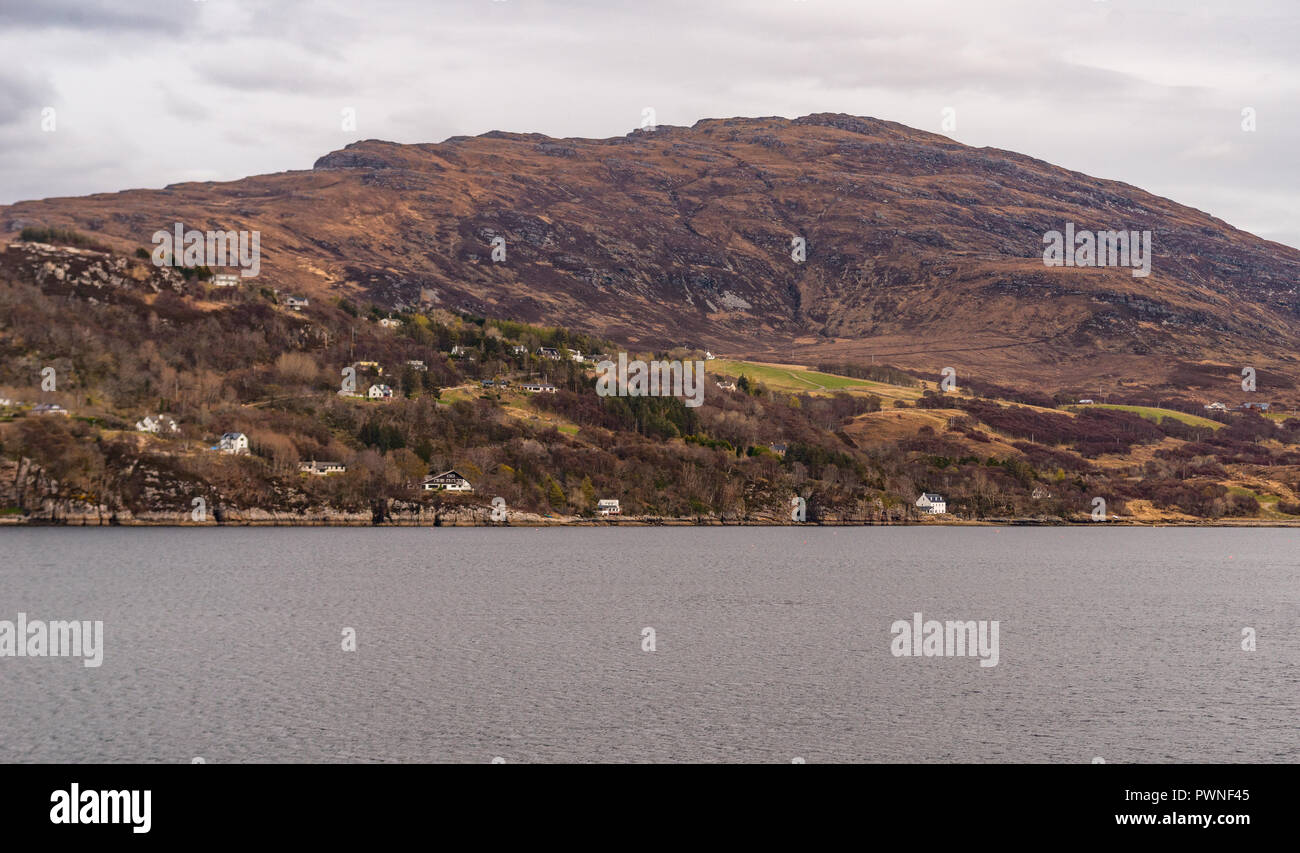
pixel 59 236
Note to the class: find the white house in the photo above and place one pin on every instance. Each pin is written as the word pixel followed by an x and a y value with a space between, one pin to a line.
pixel 320 469
pixel 158 424
pixel 932 504
pixel 726 386
pixel 708 356
pixel 233 442
pixel 1217 407
pixel 297 303
pixel 447 481
pixel 50 409
pixel 225 279
pixel 417 364
pixel 1085 402
pixel 518 349
pixel 608 506
pixel 549 352
pixel 576 355
pixel 538 388
pixel 380 392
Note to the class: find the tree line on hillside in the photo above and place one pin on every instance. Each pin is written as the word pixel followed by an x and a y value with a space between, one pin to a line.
pixel 235 360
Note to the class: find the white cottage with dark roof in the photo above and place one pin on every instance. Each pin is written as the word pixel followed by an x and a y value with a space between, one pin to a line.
pixel 931 503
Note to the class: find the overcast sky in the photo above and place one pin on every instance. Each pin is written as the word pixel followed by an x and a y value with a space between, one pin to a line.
pixel 152 92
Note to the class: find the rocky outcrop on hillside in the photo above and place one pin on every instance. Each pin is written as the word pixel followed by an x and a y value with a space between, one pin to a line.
pixel 86 273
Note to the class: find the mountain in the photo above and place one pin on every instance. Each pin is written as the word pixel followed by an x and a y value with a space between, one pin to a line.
pixel 920 252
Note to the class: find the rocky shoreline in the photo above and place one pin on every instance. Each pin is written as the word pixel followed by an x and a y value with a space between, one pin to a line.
pixel 29 498
pixel 481 517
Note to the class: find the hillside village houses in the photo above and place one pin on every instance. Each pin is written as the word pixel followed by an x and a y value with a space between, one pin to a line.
pixel 576 355
pixel 380 392
pixel 158 424
pixel 726 386
pixel 1216 407
pixel 538 388
pixel 548 352
pixel 368 365
pixel 233 442
pixel 447 481
pixel 932 504
pixel 297 303
pixel 518 349
pixel 50 409
pixel 390 322
pixel 320 469
pixel 608 506
pixel 225 279
pixel 417 364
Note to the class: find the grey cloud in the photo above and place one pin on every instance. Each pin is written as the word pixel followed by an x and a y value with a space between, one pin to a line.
pixel 1139 91
pixel 271 72
pixel 97 15
pixel 22 97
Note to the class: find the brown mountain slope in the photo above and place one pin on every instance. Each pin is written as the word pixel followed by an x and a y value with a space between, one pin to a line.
pixel 920 251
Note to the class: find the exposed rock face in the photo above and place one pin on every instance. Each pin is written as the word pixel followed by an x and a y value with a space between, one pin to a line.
pixel 921 251
pixel 29 495
pixel 85 273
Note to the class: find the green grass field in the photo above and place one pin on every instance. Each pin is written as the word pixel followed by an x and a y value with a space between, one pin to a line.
pixel 452 395
pixel 1267 503
pixel 793 378
pixel 1151 413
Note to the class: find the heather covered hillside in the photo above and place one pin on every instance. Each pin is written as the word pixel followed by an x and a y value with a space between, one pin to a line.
pixel 919 251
